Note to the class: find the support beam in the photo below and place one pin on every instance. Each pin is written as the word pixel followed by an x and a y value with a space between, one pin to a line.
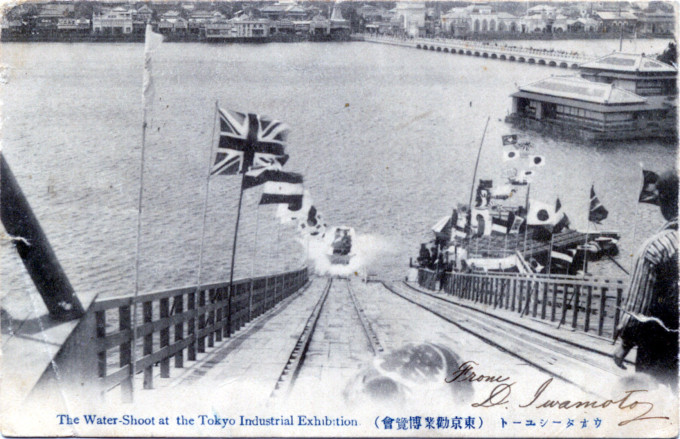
pixel 35 250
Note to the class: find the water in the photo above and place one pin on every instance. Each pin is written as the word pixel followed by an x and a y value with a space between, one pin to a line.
pixel 386 138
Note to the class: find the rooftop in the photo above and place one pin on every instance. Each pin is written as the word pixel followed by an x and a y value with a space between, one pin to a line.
pixel 574 87
pixel 606 15
pixel 629 62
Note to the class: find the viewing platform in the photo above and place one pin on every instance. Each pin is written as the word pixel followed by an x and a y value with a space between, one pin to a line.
pixel 497 51
pixel 284 327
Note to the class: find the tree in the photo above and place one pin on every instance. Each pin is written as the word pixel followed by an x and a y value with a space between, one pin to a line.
pixel 83 9
pixel 670 55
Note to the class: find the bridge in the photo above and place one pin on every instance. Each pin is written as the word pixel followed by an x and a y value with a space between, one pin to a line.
pixel 496 50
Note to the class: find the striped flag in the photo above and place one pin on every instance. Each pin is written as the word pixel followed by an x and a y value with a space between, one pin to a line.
pixel 296 212
pixel 248 141
pixel 597 211
pixel 259 176
pixel 283 188
pixel 566 256
pixel 459 224
pixel 502 225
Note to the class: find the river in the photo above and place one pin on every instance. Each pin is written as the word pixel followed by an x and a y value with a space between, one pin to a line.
pixel 385 136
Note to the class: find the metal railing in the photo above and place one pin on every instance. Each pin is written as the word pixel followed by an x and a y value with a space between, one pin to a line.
pixel 585 304
pixel 170 323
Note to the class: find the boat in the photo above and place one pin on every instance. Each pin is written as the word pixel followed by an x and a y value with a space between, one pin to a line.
pixel 341 247
pixel 506 232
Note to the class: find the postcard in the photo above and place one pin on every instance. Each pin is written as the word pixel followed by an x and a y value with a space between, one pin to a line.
pixel 339 219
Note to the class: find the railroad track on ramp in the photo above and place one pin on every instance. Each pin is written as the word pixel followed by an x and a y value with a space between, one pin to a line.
pixel 560 360
pixel 372 337
pixel 292 368
pixel 296 360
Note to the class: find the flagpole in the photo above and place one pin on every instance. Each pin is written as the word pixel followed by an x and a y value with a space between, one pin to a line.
pixel 526 225
pixel 505 242
pixel 552 237
pixel 205 201
pixel 233 250
pixel 474 177
pixel 137 252
pixel 147 88
pixel 585 246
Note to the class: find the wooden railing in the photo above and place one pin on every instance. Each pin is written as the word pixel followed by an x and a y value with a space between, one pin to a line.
pixel 589 305
pixel 170 323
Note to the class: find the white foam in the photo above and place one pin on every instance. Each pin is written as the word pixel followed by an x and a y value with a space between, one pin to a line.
pixel 366 250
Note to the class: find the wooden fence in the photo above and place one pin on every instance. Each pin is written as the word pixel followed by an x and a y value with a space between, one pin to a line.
pixel 588 305
pixel 172 323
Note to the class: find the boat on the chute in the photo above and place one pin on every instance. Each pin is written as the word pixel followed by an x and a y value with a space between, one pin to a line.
pixel 341 247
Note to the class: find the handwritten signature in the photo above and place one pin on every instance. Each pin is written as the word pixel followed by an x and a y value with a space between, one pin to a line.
pixel 500 395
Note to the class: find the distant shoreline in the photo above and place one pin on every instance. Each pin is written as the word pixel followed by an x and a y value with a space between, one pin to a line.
pixel 287 38
pixel 564 36
pixel 139 38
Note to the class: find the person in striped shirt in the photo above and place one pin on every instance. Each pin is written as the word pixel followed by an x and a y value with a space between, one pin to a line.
pixel 650 312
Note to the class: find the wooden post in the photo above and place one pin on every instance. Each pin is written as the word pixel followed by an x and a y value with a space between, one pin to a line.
pixel 535 310
pixel 211 318
pixel 603 302
pixel 554 301
pixel 494 292
pixel 101 333
pixel 217 329
pixel 125 354
pixel 588 307
pixel 565 292
pixel 191 326
pixel 178 304
pixel 544 302
pixel 201 321
pixel 574 319
pixel 165 336
pixel 225 313
pixel 147 312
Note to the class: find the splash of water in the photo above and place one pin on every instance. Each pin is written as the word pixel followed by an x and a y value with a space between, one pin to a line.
pixel 366 250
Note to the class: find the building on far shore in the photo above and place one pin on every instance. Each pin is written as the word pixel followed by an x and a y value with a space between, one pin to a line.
pixel 411 14
pixel 116 21
pixel 617 97
pixel 656 22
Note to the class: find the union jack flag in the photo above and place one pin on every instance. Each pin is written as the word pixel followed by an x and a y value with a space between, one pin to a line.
pixel 249 141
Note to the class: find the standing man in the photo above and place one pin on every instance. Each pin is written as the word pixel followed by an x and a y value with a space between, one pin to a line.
pixel 650 313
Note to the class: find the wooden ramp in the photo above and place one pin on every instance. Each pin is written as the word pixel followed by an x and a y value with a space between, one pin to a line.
pixel 30 338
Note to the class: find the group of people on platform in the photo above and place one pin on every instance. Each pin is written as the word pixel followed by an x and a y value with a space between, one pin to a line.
pixel 650 311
